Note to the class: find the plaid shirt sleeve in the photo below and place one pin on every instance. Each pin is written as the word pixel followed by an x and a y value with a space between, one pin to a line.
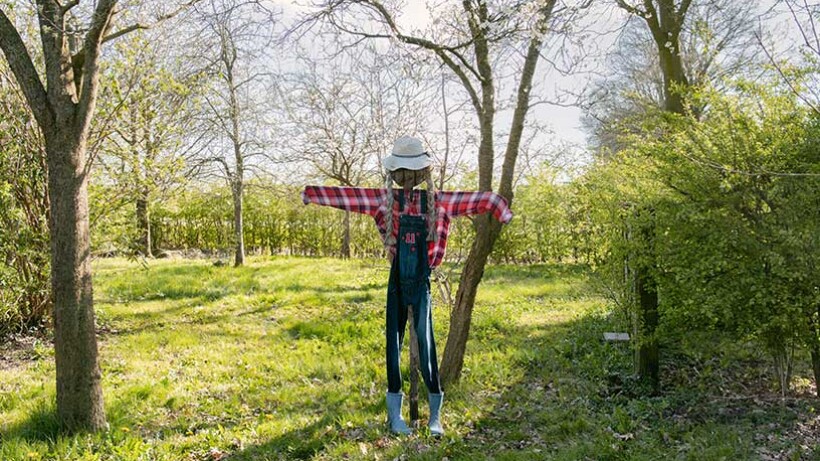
pixel 356 199
pixel 457 203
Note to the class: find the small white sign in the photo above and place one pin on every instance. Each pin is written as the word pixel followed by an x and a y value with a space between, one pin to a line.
pixel 616 336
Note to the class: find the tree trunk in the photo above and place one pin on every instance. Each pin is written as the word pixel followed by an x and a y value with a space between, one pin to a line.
pixel 648 356
pixel 414 370
pixel 144 226
pixel 815 365
pixel 666 29
pixel 79 393
pixel 674 79
pixel 452 362
pixel 346 236
pixel 238 227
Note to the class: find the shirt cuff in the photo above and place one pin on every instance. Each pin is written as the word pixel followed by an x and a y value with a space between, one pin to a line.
pixel 506 216
pixel 305 199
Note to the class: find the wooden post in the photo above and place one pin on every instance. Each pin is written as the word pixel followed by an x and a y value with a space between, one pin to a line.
pixel 414 369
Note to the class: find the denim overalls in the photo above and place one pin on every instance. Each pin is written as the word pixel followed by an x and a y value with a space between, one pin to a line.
pixel 409 285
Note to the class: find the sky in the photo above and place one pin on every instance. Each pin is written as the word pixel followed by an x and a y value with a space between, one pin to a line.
pixel 565 120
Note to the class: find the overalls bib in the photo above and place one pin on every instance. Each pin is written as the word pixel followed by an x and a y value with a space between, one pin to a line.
pixel 409 285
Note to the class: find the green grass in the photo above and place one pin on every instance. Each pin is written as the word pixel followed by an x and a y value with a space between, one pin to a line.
pixel 283 359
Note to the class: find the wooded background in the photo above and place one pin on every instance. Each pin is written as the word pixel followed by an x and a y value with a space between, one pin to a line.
pixel 189 128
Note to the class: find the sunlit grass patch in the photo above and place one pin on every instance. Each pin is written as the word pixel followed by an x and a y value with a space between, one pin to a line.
pixel 284 359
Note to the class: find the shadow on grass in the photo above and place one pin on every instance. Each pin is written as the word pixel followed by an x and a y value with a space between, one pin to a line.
pixel 574 398
pixel 308 441
pixel 41 425
pixel 578 399
pixel 301 443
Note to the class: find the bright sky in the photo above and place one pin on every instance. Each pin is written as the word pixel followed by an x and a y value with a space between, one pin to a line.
pixel 565 121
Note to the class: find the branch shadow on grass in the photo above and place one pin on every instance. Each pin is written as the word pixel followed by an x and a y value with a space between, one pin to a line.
pixel 573 397
pixel 309 441
pixel 40 425
pixel 578 399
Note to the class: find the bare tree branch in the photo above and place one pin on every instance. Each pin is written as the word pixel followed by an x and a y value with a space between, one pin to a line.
pixel 143 26
pixel 68 6
pixel 24 71
pixel 101 21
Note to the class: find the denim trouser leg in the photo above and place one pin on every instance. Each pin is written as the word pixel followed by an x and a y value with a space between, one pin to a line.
pixel 409 285
pixel 396 322
pixel 423 323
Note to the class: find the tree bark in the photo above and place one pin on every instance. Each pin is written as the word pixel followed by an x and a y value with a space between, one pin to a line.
pixel 647 355
pixel 674 79
pixel 79 393
pixel 452 361
pixel 647 361
pixel 346 236
pixel 238 226
pixel 414 370
pixel 144 226
pixel 815 365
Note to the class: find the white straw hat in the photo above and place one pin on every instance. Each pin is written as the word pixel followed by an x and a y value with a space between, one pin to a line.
pixel 409 153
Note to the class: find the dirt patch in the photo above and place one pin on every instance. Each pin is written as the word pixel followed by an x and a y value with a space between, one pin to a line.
pixel 16 350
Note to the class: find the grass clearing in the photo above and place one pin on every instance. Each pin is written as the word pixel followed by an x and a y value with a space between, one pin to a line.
pixel 283 359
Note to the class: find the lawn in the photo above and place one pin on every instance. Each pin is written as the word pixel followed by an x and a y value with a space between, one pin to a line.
pixel 283 359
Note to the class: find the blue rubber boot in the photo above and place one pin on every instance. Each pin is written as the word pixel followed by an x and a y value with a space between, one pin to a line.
pixel 397 424
pixel 434 424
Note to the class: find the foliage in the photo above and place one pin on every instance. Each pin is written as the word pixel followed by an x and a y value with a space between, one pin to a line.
pixel 142 140
pixel 24 259
pixel 551 224
pixel 734 207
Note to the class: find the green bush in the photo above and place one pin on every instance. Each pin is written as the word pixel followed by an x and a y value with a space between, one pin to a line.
pixel 24 245
pixel 735 216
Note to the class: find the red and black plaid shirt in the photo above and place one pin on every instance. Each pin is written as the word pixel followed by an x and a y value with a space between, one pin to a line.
pixel 448 204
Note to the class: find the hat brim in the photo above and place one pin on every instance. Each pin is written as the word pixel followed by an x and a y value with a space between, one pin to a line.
pixel 393 163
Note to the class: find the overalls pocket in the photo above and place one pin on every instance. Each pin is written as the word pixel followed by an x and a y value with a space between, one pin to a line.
pixel 412 244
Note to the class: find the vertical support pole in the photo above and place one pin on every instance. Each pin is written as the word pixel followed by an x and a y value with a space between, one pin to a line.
pixel 414 369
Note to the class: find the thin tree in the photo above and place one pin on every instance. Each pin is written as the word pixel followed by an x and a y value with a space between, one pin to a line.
pixel 665 20
pixel 470 47
pixel 63 101
pixel 145 144
pixel 235 34
pixel 341 113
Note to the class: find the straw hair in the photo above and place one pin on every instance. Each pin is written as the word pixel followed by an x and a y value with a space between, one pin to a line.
pixel 432 235
pixel 389 239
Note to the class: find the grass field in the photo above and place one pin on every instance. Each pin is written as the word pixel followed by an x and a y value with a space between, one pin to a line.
pixel 283 359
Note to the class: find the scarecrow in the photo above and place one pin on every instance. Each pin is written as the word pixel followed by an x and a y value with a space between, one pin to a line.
pixel 414 225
